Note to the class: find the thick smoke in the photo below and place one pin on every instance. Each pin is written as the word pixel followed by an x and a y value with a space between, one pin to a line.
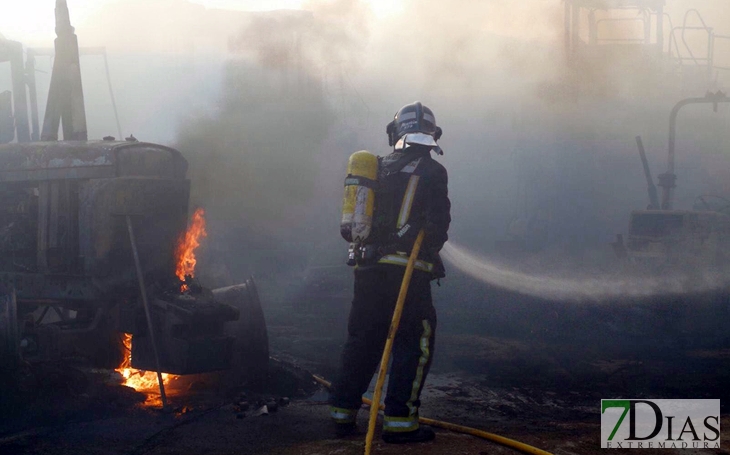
pixel 539 141
pixel 325 33
pixel 257 162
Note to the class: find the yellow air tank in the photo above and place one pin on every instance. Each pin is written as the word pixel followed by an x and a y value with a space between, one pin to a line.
pixel 359 201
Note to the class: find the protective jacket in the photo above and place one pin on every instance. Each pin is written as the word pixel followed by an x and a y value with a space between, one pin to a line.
pixel 412 194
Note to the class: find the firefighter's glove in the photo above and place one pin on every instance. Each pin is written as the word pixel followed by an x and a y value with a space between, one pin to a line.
pixel 439 271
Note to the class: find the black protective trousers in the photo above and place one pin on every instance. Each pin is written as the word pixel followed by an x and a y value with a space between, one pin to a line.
pixel 376 293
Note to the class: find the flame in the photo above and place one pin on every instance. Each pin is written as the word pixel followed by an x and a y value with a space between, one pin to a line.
pixel 186 246
pixel 139 380
pixel 146 381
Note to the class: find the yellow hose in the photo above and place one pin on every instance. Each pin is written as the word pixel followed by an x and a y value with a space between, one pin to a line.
pixel 522 447
pixel 391 336
pixel 507 442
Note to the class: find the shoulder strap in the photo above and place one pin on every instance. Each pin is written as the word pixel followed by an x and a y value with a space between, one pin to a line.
pixel 405 208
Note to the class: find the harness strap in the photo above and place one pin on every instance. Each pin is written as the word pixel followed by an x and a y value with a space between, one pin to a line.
pixel 407 204
pixel 360 181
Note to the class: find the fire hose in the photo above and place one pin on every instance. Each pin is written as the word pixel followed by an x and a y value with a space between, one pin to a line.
pixel 384 368
pixel 391 336
pixel 507 442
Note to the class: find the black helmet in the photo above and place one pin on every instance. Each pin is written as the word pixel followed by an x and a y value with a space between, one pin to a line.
pixel 414 119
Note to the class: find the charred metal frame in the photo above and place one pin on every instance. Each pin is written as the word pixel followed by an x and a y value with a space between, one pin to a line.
pixel 66 96
pixel 116 183
pixel 90 218
pixel 32 53
pixel 82 190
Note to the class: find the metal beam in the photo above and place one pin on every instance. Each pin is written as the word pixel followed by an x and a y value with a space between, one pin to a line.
pixel 654 5
pixel 65 96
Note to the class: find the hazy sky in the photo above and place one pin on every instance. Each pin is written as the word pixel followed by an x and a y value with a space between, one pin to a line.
pixel 32 21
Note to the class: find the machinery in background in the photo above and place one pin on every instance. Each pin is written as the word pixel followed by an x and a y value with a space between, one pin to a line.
pixel 618 52
pixel 662 236
pixel 637 40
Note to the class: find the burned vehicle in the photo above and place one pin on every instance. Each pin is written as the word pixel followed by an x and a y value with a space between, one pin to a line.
pixel 89 239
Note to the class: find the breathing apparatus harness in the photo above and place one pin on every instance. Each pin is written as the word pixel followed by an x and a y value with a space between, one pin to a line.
pixel 414 125
pixel 368 253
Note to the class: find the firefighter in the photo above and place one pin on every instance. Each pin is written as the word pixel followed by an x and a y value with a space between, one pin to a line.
pixel 411 194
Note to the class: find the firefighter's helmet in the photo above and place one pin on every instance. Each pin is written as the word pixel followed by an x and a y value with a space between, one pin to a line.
pixel 414 124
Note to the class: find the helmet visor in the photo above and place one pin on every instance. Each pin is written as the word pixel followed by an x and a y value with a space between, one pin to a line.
pixel 416 138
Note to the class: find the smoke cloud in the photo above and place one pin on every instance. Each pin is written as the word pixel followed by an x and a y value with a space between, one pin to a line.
pixel 258 162
pixel 534 135
pixel 539 141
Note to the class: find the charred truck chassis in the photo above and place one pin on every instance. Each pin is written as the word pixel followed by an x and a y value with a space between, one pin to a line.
pixel 67 275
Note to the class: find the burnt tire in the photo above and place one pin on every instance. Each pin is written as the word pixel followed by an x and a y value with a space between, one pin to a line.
pixel 250 359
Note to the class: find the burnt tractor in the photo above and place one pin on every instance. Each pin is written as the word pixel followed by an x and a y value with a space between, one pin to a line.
pixel 88 238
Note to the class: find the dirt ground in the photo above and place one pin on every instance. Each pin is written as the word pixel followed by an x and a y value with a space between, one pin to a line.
pixel 541 385
pixel 210 427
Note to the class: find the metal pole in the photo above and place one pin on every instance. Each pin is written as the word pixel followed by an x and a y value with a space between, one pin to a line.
pixel 592 28
pixel 710 98
pixel 20 98
pixel 653 197
pixel 710 55
pixel 660 29
pixel 111 93
pixel 33 93
pixel 65 95
pixel 142 289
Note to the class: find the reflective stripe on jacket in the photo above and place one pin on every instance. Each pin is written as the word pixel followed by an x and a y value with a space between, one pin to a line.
pixel 401 258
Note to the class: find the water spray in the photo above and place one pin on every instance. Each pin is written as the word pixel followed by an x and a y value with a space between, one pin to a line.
pixel 581 289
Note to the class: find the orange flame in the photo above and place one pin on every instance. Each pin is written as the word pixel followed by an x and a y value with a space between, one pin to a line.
pixel 186 246
pixel 139 380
